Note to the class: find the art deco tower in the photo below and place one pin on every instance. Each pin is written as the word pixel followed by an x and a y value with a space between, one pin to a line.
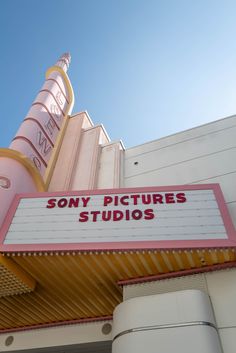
pixel 28 163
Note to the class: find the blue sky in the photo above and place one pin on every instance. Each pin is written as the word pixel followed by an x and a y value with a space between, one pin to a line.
pixel 143 68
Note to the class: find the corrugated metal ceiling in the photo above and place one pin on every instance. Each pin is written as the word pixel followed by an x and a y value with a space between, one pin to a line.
pixel 81 285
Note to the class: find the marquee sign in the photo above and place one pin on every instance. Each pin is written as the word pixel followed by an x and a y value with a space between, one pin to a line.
pixel 156 217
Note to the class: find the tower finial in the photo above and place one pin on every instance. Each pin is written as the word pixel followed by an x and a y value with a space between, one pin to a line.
pixel 64 61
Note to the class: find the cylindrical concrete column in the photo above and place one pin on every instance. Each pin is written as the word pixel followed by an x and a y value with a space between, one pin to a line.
pixel 179 322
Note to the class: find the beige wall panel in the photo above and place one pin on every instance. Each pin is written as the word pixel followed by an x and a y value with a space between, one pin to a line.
pixel 85 169
pixel 222 290
pixel 55 337
pixel 109 166
pixel 164 286
pixel 205 154
pixel 227 184
pixel 232 210
pixel 191 134
pixel 220 286
pixel 62 171
pixel 165 323
pixel 175 154
pixel 228 339
pixel 186 172
pixel 62 174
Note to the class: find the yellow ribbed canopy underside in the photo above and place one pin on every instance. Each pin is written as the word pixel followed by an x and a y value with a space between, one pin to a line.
pixel 72 286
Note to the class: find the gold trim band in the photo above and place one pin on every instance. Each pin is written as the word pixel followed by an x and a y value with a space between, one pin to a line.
pixel 54 156
pixel 67 83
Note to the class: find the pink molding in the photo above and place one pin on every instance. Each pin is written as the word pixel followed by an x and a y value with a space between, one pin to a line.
pixel 124 246
pixel 52 79
pixel 183 273
pixel 60 323
pixel 23 138
pixel 49 92
pixel 41 127
pixel 47 110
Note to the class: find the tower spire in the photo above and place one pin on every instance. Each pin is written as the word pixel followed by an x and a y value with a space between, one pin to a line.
pixel 64 61
pixel 27 165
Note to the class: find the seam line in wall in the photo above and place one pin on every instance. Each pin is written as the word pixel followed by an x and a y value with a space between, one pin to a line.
pixel 180 162
pixel 226 327
pixel 176 143
pixel 166 326
pixel 215 176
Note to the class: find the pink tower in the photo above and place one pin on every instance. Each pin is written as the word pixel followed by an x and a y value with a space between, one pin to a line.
pixel 28 163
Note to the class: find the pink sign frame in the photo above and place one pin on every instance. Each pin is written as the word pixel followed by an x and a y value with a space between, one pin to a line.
pixel 123 246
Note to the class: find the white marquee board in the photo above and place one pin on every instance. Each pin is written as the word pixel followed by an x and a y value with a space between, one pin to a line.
pixel 186 213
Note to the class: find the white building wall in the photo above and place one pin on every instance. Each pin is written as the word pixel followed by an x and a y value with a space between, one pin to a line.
pixel 87 337
pixel 219 285
pixel 205 154
pixel 109 168
pixel 180 321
